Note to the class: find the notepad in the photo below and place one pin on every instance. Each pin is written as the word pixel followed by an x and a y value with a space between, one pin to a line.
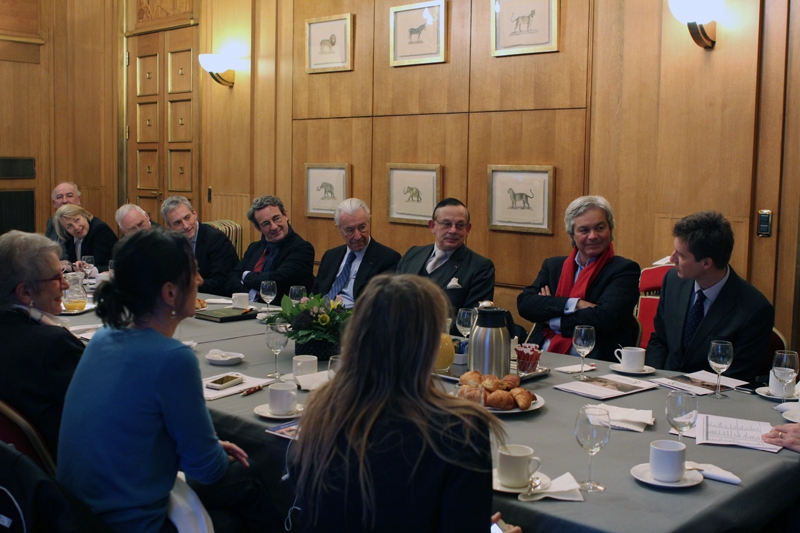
pixel 226 314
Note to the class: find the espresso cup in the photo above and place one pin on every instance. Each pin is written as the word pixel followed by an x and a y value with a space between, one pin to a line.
pixel 241 300
pixel 282 398
pixel 667 460
pixel 631 358
pixel 515 464
pixel 304 364
pixel 776 387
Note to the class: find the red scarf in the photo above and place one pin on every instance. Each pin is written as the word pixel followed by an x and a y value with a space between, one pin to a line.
pixel 569 287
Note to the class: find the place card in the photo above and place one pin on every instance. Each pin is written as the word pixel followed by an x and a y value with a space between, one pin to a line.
pixel 608 386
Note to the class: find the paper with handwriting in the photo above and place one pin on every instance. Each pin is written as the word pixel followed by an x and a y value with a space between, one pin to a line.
pixel 733 432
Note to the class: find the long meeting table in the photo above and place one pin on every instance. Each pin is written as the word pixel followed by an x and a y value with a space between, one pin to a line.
pixel 769 480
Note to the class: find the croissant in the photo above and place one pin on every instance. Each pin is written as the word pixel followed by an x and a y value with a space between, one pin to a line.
pixel 472 375
pixel 200 304
pixel 491 383
pixel 500 399
pixel 512 380
pixel 522 397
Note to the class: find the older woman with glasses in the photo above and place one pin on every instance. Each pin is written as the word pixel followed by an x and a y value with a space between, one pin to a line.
pixel 84 234
pixel 39 355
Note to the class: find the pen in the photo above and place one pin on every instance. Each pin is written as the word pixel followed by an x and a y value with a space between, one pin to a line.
pixel 247 310
pixel 252 390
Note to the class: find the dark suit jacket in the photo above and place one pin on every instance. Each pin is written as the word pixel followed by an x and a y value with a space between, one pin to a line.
pixel 475 274
pixel 37 364
pixel 50 233
pixel 99 242
pixel 377 259
pixel 216 257
pixel 615 290
pixel 294 265
pixel 740 314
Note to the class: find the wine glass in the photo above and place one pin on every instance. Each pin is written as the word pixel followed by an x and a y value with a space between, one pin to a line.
pixel 465 320
pixel 592 429
pixel 471 391
pixel 720 357
pixel 296 292
pixel 268 291
pixel 583 341
pixel 276 341
pixel 785 367
pixel 681 411
pixel 87 264
pixel 334 363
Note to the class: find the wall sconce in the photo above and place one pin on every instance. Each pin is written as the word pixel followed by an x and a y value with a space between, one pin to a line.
pixel 700 16
pixel 220 68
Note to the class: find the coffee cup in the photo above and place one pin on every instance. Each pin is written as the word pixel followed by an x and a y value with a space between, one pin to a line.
pixel 241 300
pixel 304 364
pixel 776 387
pixel 631 358
pixel 515 464
pixel 667 460
pixel 282 398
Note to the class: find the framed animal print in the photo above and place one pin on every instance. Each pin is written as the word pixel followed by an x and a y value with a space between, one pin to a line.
pixel 413 192
pixel 521 198
pixel 329 44
pixel 524 26
pixel 417 34
pixel 326 188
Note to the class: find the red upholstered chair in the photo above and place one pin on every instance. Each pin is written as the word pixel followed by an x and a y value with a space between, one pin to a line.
pixel 651 278
pixel 646 313
pixel 15 429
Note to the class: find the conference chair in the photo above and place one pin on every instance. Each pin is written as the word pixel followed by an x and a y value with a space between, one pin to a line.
pixel 649 292
pixel 776 342
pixel 651 278
pixel 17 430
pixel 233 231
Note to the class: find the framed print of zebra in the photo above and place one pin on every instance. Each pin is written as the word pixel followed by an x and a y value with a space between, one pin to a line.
pixel 417 34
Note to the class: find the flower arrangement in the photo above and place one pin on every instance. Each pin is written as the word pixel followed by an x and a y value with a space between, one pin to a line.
pixel 314 318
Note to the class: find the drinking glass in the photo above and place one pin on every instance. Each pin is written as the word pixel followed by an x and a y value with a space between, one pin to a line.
pixel 471 391
pixel 592 429
pixel 465 320
pixel 681 411
pixel 333 366
pixel 296 292
pixel 87 264
pixel 583 341
pixel 268 291
pixel 276 341
pixel 111 267
pixel 720 357
pixel 785 366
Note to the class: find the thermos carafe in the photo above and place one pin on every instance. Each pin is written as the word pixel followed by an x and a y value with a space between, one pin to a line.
pixel 489 343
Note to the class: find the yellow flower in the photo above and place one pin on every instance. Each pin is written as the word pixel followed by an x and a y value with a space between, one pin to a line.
pixel 336 303
pixel 323 319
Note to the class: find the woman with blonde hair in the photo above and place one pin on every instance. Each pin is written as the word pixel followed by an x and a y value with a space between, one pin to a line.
pixel 382 444
pixel 84 234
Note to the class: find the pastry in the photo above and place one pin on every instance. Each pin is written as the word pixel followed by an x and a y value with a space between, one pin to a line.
pixel 522 397
pixel 200 304
pixel 473 394
pixel 472 375
pixel 492 384
pixel 500 399
pixel 512 380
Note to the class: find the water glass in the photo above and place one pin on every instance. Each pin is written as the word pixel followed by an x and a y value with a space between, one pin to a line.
pixel 296 293
pixel 681 411
pixel 720 357
pixel 583 339
pixel 333 365
pixel 784 368
pixel 268 291
pixel 592 430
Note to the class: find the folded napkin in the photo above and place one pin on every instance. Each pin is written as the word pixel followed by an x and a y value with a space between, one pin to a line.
pixel 190 344
pixel 575 369
pixel 630 419
pixel 714 472
pixel 562 488
pixel 218 301
pixel 781 407
pixel 312 381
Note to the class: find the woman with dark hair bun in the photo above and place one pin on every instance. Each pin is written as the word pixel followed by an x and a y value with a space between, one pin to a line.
pixel 135 414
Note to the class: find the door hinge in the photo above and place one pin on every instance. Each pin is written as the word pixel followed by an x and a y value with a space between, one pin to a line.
pixel 127 58
pixel 127 132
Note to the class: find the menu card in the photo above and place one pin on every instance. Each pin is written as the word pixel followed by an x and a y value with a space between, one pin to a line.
pixel 700 383
pixel 608 386
pixel 733 432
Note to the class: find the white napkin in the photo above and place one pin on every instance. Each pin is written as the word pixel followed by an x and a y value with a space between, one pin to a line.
pixel 630 419
pixel 562 488
pixel 218 301
pixel 716 473
pixel 574 369
pixel 312 381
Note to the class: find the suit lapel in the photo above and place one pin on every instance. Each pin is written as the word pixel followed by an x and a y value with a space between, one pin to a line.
pixel 331 273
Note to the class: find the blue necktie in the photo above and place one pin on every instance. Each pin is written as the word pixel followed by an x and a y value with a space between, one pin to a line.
pixel 696 314
pixel 343 277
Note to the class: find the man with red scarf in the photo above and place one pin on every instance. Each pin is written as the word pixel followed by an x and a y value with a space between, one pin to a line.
pixel 590 287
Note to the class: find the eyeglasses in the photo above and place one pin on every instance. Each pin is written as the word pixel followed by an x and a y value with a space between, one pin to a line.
pixel 460 226
pixel 348 231
pixel 57 277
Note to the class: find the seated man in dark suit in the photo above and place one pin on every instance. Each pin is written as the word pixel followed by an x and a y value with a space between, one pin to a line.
pixel 345 270
pixel 466 277
pixel 592 286
pixel 281 255
pixel 213 250
pixel 702 299
pixel 131 217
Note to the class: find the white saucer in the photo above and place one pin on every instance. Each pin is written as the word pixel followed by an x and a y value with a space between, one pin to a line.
pixel 792 415
pixel 764 392
pixel 616 367
pixel 546 481
pixel 220 358
pixel 690 477
pixel 263 410
pixel 288 378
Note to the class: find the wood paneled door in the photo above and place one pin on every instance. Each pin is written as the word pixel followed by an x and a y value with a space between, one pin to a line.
pixel 163 118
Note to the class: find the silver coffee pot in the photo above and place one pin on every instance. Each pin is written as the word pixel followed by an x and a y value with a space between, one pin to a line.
pixel 489 343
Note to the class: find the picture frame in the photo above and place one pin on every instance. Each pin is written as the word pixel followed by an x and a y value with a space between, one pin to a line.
pixel 414 191
pixel 327 185
pixel 524 26
pixel 417 33
pixel 511 208
pixel 329 44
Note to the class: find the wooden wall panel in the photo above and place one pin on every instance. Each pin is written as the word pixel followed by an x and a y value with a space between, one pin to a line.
pixel 20 18
pixel 334 94
pixel 428 139
pixel 531 81
pixel 328 141
pixel 420 89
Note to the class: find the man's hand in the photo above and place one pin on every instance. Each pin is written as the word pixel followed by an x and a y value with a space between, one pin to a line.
pixel 583 304
pixel 234 452
pixel 545 291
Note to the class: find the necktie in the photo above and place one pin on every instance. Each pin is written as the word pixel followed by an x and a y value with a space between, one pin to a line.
pixel 260 262
pixel 439 257
pixel 343 277
pixel 693 320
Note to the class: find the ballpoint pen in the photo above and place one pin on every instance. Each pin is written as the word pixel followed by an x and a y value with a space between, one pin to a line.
pixel 251 390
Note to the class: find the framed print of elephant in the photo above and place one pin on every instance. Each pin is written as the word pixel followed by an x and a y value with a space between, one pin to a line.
pixel 413 192
pixel 524 26
pixel 326 186
pixel 521 198
pixel 417 34
pixel 329 44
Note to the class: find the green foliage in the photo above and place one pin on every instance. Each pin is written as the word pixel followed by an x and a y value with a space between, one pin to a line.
pixel 313 318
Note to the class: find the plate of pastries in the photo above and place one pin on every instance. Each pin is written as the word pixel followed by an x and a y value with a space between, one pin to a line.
pixel 503 395
pixel 200 304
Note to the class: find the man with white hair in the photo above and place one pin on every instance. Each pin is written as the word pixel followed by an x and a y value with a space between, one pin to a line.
pixel 346 269
pixel 131 217
pixel 64 193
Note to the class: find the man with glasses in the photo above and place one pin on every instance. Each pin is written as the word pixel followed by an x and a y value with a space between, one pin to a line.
pixel 346 269
pixel 281 255
pixel 466 277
